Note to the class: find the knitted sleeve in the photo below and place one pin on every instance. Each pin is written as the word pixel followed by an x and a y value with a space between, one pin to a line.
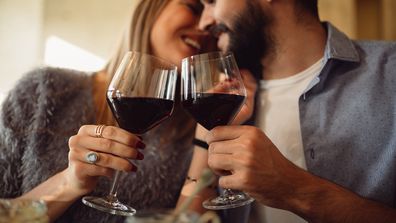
pixel 15 113
pixel 36 119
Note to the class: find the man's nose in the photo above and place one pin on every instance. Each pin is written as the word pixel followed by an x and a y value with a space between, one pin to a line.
pixel 207 20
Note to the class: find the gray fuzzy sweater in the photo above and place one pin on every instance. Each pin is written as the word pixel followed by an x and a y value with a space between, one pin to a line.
pixel 48 106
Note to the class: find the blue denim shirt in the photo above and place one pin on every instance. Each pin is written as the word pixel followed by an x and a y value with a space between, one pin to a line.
pixel 348 117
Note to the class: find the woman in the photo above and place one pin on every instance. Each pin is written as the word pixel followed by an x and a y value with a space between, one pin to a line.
pixel 47 127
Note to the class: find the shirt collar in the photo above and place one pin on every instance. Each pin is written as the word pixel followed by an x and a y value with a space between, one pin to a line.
pixel 339 46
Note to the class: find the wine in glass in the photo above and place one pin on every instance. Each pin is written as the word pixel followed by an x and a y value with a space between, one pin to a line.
pixel 212 92
pixel 140 95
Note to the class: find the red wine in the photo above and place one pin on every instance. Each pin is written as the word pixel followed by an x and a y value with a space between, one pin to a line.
pixel 211 110
pixel 138 115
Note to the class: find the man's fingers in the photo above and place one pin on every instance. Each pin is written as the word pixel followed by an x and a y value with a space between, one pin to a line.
pixel 230 182
pixel 220 162
pixel 225 147
pixel 222 133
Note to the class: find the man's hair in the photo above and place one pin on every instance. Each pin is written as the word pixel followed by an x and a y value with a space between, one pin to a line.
pixel 310 6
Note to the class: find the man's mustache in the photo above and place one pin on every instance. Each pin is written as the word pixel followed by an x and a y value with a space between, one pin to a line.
pixel 218 29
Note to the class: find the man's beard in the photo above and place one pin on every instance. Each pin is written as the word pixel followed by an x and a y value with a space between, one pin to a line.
pixel 250 38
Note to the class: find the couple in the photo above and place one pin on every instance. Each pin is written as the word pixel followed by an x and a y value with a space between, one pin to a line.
pixel 324 147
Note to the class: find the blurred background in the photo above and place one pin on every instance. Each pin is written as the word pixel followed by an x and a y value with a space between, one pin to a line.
pixel 82 34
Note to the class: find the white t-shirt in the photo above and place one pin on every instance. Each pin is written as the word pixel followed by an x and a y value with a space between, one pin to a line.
pixel 278 116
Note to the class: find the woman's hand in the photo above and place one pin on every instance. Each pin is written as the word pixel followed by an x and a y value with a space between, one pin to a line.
pixel 114 149
pixel 247 109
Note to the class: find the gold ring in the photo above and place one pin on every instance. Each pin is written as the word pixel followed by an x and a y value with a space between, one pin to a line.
pixel 99 131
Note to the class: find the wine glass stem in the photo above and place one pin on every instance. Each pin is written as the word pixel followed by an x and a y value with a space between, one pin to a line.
pixel 114 186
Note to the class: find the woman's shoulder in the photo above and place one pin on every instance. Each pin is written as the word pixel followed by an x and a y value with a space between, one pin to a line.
pixel 40 90
pixel 49 78
pixel 40 83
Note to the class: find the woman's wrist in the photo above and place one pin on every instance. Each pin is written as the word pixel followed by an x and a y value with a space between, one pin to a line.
pixel 57 192
pixel 58 188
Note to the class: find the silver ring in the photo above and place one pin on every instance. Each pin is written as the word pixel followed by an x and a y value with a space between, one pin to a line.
pixel 92 157
pixel 99 131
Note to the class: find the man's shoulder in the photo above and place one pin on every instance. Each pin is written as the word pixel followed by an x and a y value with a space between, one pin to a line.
pixel 375 43
pixel 376 48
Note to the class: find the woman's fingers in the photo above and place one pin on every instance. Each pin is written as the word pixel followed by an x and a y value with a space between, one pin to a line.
pixel 113 141
pixel 98 151
pixel 106 146
pixel 113 133
pixel 84 170
pixel 84 177
pixel 104 160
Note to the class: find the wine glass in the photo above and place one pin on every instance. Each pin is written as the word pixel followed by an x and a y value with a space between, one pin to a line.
pixel 140 95
pixel 212 91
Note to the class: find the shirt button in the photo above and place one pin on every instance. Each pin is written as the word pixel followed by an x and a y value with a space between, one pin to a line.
pixel 312 153
pixel 304 97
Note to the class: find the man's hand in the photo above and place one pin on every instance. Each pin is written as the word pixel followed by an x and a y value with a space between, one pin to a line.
pixel 256 165
pixel 250 162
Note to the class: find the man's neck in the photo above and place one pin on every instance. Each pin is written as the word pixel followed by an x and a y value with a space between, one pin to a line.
pixel 297 47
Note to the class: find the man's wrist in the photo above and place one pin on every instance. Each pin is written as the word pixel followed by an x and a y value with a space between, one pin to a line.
pixel 309 192
pixel 319 200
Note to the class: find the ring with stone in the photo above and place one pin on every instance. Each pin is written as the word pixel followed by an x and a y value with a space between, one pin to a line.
pixel 92 157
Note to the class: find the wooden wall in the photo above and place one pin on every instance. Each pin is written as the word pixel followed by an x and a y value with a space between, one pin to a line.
pixel 362 19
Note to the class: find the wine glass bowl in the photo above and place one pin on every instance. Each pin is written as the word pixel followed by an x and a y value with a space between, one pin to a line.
pixel 212 91
pixel 141 95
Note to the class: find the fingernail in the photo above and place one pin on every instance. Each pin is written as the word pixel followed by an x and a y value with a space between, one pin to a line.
pixel 140 156
pixel 140 145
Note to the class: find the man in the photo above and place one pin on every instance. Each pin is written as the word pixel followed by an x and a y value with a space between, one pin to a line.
pixel 325 148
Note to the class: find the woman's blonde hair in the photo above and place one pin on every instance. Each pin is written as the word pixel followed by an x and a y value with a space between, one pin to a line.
pixel 135 38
